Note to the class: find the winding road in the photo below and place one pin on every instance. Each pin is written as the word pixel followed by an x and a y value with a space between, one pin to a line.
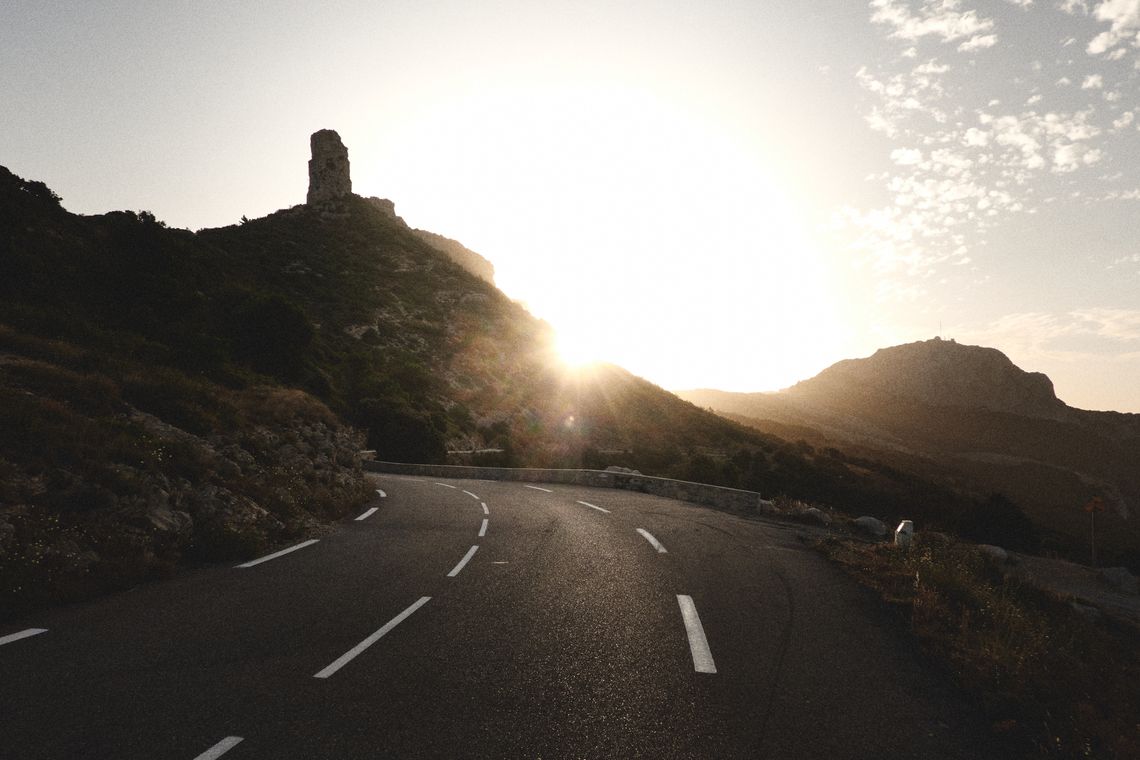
pixel 471 619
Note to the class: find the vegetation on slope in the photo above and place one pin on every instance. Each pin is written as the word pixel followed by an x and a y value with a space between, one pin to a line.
pixel 1054 683
pixel 172 395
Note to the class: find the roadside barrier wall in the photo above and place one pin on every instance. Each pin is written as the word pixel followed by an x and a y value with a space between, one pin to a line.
pixel 731 499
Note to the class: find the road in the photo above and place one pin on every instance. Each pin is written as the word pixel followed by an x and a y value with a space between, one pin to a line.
pixel 587 623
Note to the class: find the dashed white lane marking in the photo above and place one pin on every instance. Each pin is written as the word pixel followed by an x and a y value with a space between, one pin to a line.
pixel 593 506
pixel 473 496
pixel 483 528
pixel 351 654
pixel 219 749
pixel 485 510
pixel 275 555
pixel 544 490
pixel 698 644
pixel 466 558
pixel 21 635
pixel 382 494
pixel 368 513
pixel 448 485
pixel 648 537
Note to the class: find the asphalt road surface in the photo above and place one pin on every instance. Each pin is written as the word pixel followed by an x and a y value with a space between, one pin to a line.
pixel 468 619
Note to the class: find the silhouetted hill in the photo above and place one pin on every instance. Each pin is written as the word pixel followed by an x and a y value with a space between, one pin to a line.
pixel 168 395
pixel 965 415
pixel 940 373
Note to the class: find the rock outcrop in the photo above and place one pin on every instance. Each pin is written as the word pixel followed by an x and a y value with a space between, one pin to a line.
pixel 328 168
pixel 944 373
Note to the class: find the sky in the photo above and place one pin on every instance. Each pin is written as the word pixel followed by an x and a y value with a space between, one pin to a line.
pixel 713 193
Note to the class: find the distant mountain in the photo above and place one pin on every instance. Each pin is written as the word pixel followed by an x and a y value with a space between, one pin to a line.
pixel 966 415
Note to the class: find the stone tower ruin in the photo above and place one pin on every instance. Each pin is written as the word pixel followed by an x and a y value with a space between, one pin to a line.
pixel 328 168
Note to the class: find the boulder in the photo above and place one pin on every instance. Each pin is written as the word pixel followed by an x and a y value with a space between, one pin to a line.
pixel 816 515
pixel 168 521
pixel 1121 579
pixel 1087 611
pixel 871 525
pixel 996 553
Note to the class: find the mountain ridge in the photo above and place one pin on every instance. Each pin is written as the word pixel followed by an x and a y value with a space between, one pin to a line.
pixel 967 414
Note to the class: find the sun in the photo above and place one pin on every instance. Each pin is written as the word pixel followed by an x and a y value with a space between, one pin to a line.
pixel 576 349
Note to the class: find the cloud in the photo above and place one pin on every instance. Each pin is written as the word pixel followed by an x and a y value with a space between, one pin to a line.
pixel 975 137
pixel 1045 334
pixel 978 42
pixel 935 18
pixel 1075 7
pixel 1123 17
pixel 906 156
pixel 966 152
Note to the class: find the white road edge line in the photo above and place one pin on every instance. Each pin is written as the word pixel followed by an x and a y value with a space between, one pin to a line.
pixel 382 494
pixel 448 485
pixel 473 496
pixel 21 635
pixel 485 510
pixel 466 558
pixel 275 555
pixel 351 654
pixel 593 506
pixel 221 748
pixel 483 528
pixel 368 513
pixel 544 490
pixel 698 644
pixel 648 537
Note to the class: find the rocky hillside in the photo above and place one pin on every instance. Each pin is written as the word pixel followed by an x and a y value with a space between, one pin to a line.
pixel 969 416
pixel 169 396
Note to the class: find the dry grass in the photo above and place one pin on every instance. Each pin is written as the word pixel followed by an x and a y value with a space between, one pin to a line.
pixel 1053 683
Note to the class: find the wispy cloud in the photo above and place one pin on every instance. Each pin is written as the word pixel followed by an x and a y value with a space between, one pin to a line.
pixel 942 19
pixel 960 160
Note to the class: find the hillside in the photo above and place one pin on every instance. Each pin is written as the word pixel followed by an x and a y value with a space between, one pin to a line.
pixel 966 415
pixel 169 396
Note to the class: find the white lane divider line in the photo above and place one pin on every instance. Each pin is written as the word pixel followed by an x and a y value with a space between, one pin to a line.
pixel 593 506
pixel 382 494
pixel 473 496
pixel 448 485
pixel 483 528
pixel 698 644
pixel 466 558
pixel 544 490
pixel 221 748
pixel 367 513
pixel 648 537
pixel 485 510
pixel 281 553
pixel 21 635
pixel 351 654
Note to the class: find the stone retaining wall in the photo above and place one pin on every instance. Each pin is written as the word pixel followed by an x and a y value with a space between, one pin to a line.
pixel 730 499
